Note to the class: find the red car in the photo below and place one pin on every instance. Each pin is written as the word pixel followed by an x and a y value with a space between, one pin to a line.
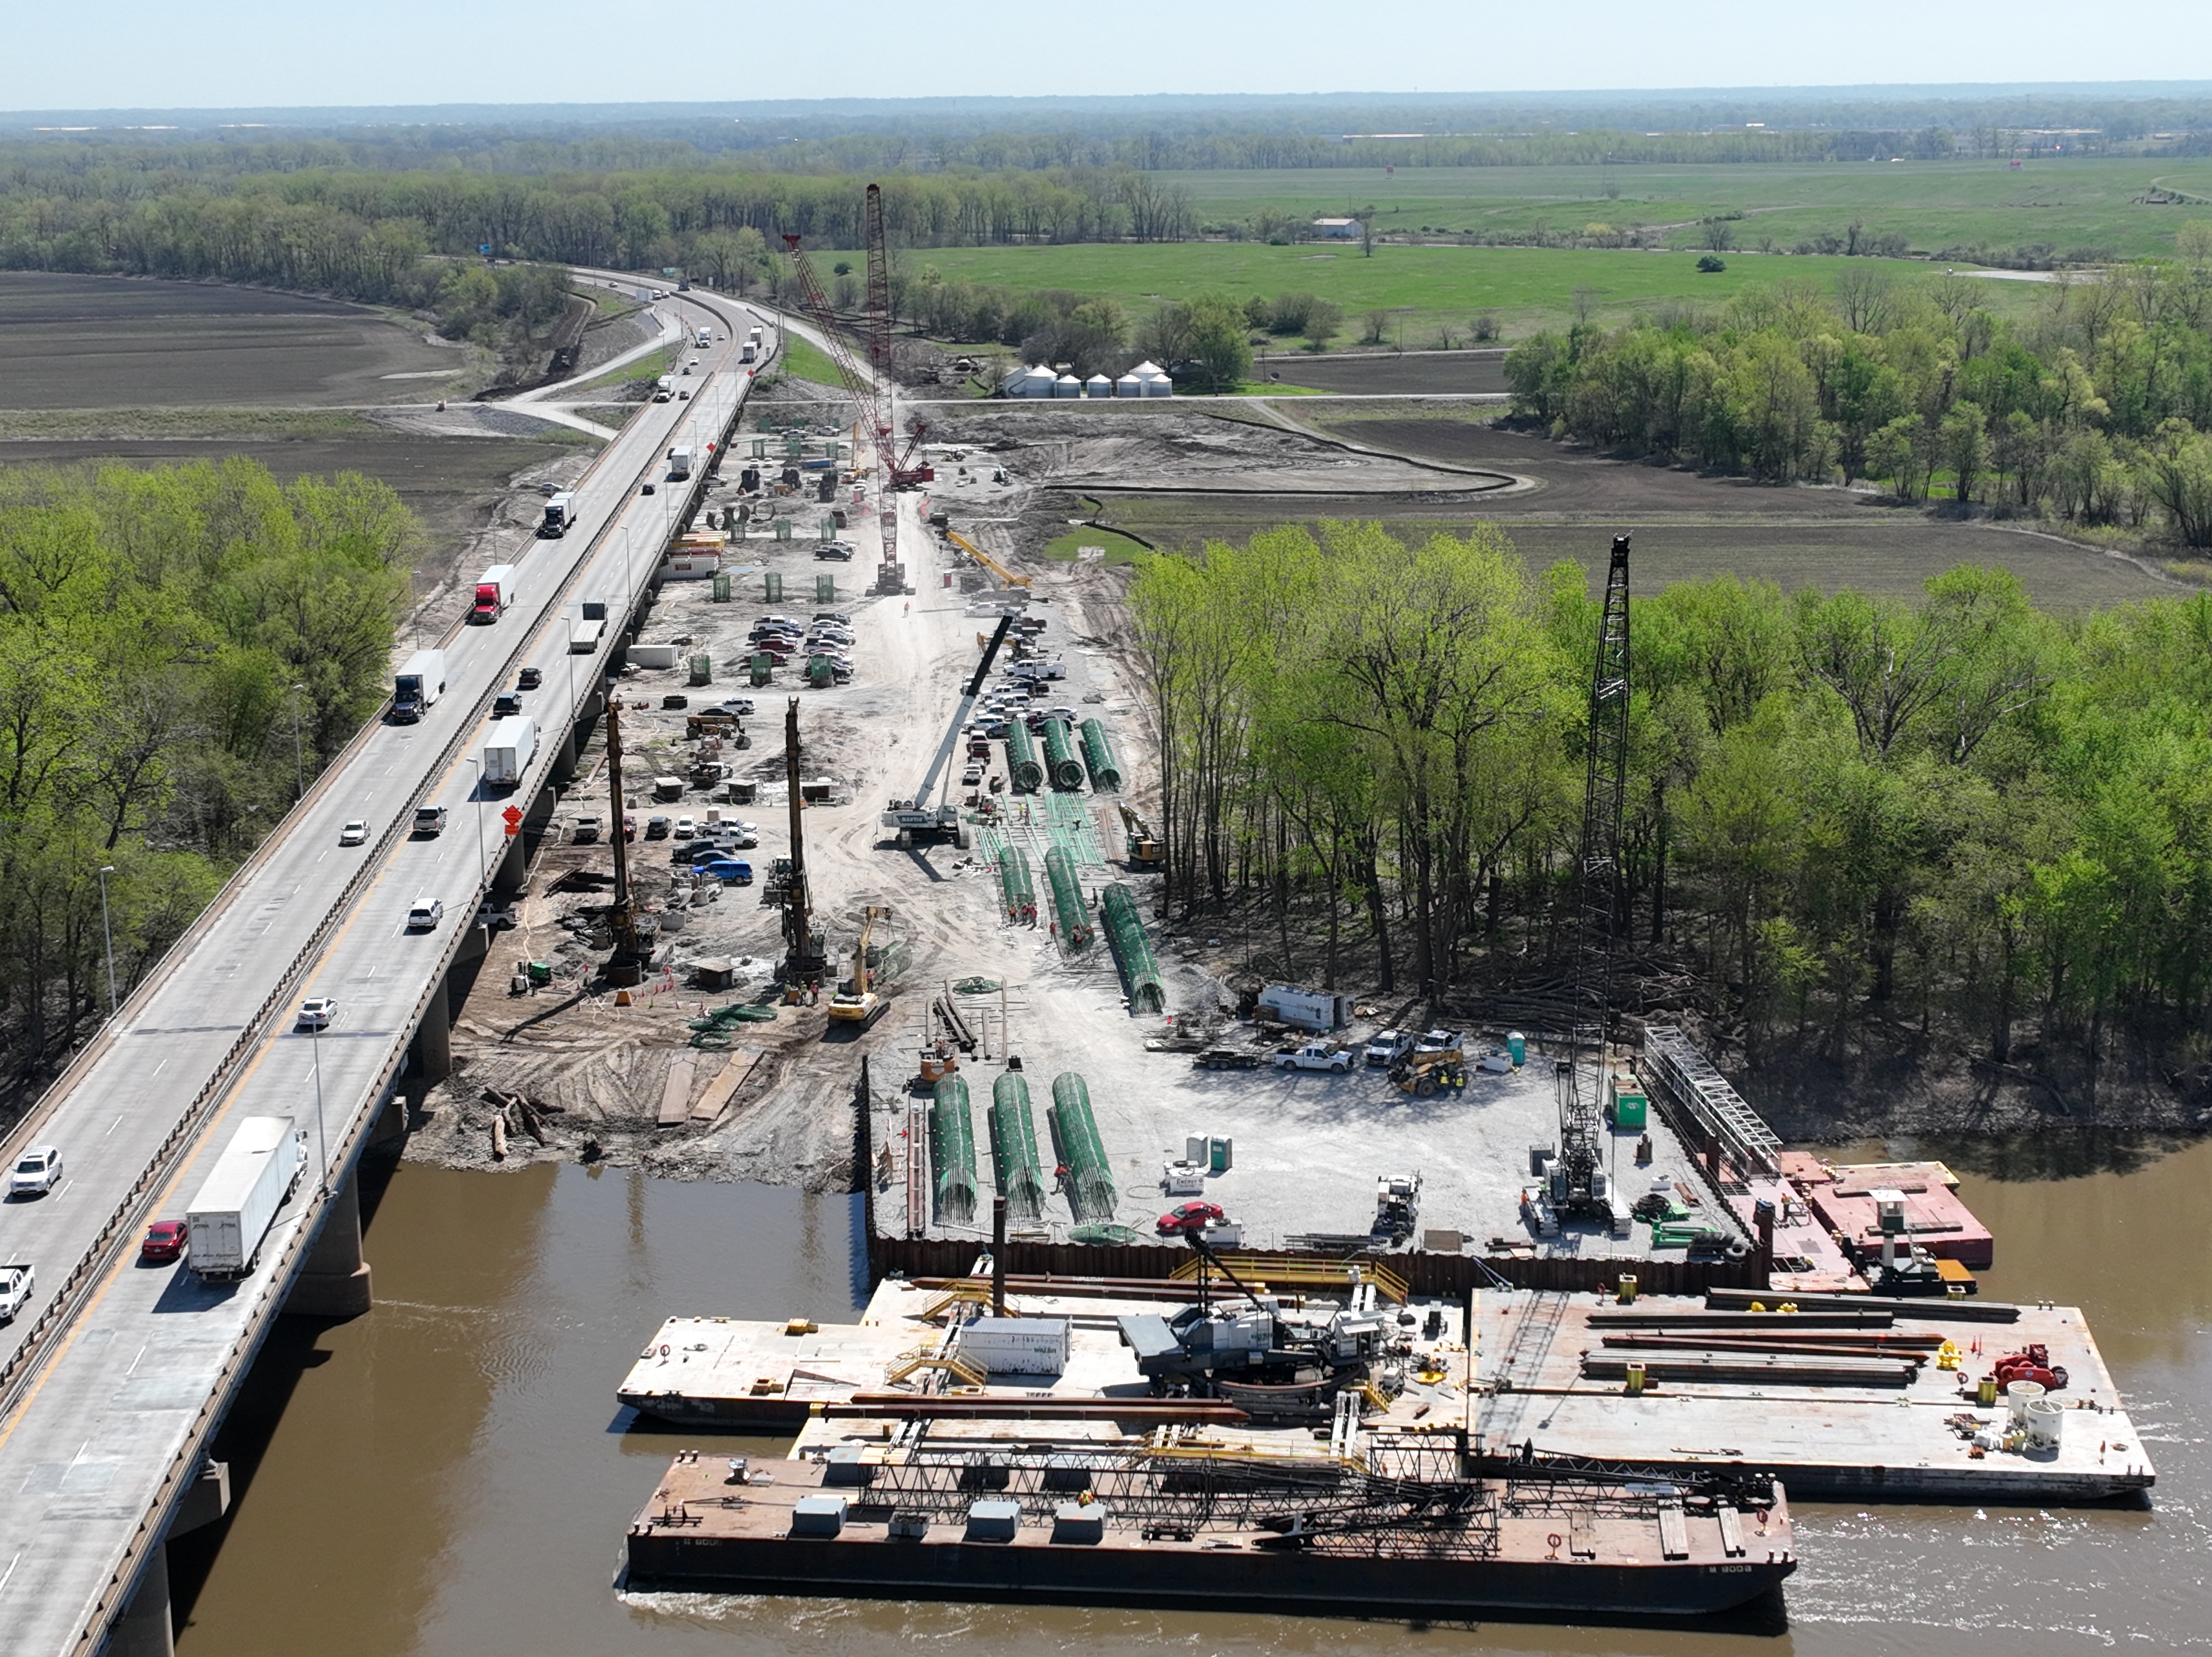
pixel 165 1240
pixel 1188 1216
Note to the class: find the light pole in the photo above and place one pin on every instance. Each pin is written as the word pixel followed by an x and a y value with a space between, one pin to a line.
pixel 322 1144
pixel 107 931
pixel 299 764
pixel 476 788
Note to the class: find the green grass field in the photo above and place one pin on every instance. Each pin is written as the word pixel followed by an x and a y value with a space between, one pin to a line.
pixel 808 361
pixel 1528 287
pixel 2087 204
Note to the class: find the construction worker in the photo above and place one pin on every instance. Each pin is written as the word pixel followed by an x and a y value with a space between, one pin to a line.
pixel 907 608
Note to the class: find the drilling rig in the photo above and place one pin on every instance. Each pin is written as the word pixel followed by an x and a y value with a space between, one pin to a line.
pixel 1581 1186
pixel 803 955
pixel 626 964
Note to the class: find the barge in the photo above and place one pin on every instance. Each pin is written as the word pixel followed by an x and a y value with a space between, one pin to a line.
pixel 1400 1525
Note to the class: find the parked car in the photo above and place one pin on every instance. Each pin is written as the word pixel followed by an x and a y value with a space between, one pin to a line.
pixel 353 833
pixel 587 830
pixel 316 1013
pixel 971 777
pixel 1315 1055
pixel 685 828
pixel 494 916
pixel 165 1241
pixel 426 914
pixel 1185 1217
pixel 1437 1041
pixel 836 615
pixel 834 550
pixel 37 1171
pixel 656 828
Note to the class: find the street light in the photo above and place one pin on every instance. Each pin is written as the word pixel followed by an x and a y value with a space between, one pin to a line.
pixel 299 764
pixel 476 788
pixel 322 1144
pixel 108 933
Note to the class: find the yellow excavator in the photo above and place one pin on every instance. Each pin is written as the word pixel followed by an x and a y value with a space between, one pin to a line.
pixel 854 1003
pixel 1145 851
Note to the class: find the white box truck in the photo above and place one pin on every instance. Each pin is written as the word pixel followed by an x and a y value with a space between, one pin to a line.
pixel 679 462
pixel 241 1194
pixel 509 750
pixel 584 635
pixel 664 388
pixel 559 513
pixel 417 685
pixel 749 352
pixel 705 336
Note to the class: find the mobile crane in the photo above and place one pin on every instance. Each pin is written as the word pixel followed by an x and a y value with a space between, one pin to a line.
pixel 916 819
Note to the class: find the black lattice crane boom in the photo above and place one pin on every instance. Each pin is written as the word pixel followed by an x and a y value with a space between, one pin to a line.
pixel 866 409
pixel 1605 793
pixel 879 286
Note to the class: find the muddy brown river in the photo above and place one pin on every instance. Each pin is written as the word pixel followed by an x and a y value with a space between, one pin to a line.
pixel 451 1476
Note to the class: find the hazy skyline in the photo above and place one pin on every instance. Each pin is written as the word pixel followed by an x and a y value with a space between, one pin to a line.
pixel 191 54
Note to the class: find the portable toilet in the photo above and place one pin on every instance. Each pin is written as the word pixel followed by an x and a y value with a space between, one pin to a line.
pixel 1098 386
pixel 1067 386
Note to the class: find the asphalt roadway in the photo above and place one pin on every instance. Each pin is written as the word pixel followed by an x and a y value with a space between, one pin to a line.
pixel 107 1415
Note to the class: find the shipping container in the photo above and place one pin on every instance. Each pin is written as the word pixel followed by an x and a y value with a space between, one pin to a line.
pixel 1015 1346
pixel 1312 1010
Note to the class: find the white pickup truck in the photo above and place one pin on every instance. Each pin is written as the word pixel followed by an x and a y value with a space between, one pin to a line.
pixel 16 1279
pixel 1314 1055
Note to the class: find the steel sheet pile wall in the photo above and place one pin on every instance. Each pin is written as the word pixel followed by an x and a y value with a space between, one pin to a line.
pixel 1014 883
pixel 952 1154
pixel 1014 1166
pixel 1074 922
pixel 1022 762
pixel 1086 1177
pixel 1066 770
pixel 1141 973
pixel 1099 754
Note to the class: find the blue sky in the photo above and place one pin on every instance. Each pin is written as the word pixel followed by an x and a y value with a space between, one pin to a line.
pixel 217 53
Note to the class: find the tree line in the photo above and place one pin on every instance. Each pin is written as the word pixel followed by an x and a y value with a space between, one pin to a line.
pixel 1961 816
pixel 178 648
pixel 2093 410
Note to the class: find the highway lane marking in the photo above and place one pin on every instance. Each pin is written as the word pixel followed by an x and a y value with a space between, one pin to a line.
pixel 10 1571
pixel 133 1369
pixel 64 1191
pixel 112 1125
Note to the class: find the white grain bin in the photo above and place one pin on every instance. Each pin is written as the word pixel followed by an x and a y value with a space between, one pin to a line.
pixel 1129 384
pixel 1034 381
pixel 1067 386
pixel 1098 386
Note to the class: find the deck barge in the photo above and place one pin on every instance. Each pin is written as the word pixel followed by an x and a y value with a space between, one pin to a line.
pixel 1398 1529
pixel 1895 1437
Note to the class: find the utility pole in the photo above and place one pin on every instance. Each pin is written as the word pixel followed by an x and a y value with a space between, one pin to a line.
pixel 108 933
pixel 475 792
pixel 322 1144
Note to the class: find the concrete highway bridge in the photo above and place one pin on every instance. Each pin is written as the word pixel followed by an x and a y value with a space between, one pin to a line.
pixel 115 1378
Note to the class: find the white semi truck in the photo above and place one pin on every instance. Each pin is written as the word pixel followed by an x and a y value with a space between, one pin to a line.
pixel 509 750
pixel 229 1219
pixel 417 685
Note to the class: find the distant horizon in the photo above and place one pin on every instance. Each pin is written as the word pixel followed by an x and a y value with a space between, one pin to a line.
pixel 479 112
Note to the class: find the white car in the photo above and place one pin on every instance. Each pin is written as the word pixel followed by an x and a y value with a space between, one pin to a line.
pixel 972 777
pixel 316 1013
pixel 37 1171
pixel 426 914
pixel 685 828
pixel 353 833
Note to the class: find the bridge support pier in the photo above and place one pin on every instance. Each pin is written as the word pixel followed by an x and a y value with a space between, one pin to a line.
pixel 513 872
pixel 564 762
pixel 434 1040
pixel 334 1280
pixel 146 1628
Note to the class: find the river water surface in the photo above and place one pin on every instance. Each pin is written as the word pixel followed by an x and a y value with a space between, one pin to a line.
pixel 451 1476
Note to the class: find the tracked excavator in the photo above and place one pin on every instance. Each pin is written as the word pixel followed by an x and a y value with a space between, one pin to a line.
pixel 855 1001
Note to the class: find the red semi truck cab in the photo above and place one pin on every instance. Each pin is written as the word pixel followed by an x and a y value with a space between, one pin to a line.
pixel 494 592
